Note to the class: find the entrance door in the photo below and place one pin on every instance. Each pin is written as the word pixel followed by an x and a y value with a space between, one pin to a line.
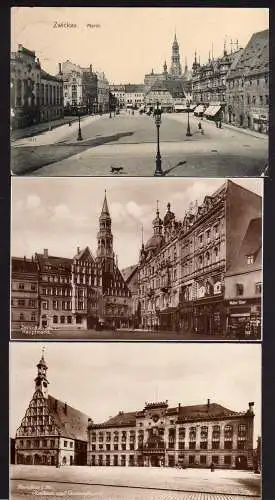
pixel 71 460
pixel 154 461
pixel 241 462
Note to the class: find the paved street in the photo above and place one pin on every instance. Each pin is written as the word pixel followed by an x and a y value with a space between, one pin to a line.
pixel 133 483
pixel 129 142
pixel 79 334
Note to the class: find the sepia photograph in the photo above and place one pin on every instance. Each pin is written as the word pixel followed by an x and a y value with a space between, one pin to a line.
pixel 136 421
pixel 136 259
pixel 139 91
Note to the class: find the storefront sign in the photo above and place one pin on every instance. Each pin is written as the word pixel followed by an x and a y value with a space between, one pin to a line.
pixel 237 302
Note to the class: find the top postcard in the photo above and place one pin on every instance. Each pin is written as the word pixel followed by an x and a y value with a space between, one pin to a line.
pixel 139 91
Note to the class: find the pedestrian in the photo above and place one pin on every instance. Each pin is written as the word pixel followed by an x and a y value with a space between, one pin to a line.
pixel 220 124
pixel 199 125
pixel 217 125
pixel 212 467
pixel 70 123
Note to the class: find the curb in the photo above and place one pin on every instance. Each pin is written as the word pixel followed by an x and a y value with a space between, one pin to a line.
pixel 138 487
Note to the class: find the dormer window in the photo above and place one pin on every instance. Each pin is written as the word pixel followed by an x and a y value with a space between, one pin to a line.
pixel 250 259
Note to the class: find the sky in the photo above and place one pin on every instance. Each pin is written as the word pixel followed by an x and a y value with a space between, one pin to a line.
pixel 61 214
pixel 116 45
pixel 100 379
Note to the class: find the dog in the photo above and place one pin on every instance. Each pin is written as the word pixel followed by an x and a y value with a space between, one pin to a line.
pixel 116 170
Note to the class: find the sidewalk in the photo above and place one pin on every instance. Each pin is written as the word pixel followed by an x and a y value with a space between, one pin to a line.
pixel 40 128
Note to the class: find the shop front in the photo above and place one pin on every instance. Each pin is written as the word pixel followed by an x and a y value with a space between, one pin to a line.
pixel 186 316
pixel 244 317
pixel 260 122
pixel 209 316
pixel 169 319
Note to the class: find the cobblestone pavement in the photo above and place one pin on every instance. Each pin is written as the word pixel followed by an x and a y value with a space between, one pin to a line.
pixel 28 490
pixel 130 142
pixel 221 482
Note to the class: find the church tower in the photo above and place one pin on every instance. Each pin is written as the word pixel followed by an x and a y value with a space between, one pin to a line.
pixel 105 252
pixel 175 69
pixel 41 382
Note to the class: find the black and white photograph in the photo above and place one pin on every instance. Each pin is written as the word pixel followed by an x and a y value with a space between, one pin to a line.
pixel 139 91
pixel 135 421
pixel 136 258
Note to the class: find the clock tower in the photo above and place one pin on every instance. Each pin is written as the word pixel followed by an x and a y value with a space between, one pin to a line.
pixel 41 382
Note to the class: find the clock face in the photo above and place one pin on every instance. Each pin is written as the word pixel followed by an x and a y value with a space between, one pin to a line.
pixel 44 384
pixel 155 418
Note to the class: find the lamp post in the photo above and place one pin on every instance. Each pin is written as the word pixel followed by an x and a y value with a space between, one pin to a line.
pixel 157 115
pixel 79 136
pixel 188 132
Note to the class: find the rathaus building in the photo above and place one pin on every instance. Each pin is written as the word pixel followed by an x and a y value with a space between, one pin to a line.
pixel 160 435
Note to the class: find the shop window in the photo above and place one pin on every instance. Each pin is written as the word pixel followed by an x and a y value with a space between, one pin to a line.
pixel 202 459
pixel 191 459
pixel 239 289
pixel 215 459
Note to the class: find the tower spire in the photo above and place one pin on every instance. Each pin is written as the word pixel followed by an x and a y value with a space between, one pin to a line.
pixel 105 237
pixel 41 382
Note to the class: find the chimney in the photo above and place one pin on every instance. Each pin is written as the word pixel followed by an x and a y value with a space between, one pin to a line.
pixel 78 250
pixel 45 253
pixel 59 68
pixel 91 68
pixel 251 406
pixel 65 408
pixel 179 406
pixel 208 403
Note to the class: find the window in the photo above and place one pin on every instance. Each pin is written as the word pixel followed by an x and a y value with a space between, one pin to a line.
pixel 71 444
pixel 241 444
pixel 21 302
pixel 108 447
pixel 191 459
pixel 69 319
pixel 250 259
pixel 62 319
pixel 52 443
pixel 202 459
pixel 45 304
pixel 242 430
pixel 21 286
pixel 228 445
pixel 93 447
pixel 32 303
pixel 21 317
pixel 65 444
pixel 55 304
pixel 123 446
pixel 203 445
pixel 116 447
pixel 239 289
pixel 192 445
pixel 55 319
pixel 215 459
pixel 258 288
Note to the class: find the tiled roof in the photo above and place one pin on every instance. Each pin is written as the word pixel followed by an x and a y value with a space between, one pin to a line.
pixel 122 419
pixel 47 76
pixel 251 245
pixel 128 271
pixel 54 261
pixel 84 254
pixel 134 88
pixel 174 87
pixel 213 410
pixel 72 423
pixel 254 58
pixel 23 265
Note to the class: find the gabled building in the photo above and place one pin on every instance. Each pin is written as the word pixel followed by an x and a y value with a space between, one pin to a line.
pixel 51 432
pixel 243 284
pixel 247 85
pixel 67 293
pixel 167 92
pixel 160 435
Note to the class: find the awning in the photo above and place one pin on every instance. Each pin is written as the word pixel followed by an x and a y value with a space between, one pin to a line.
pixel 199 109
pixel 238 315
pixel 212 110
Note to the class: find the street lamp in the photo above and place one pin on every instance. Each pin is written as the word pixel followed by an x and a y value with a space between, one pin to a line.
pixel 157 115
pixel 188 132
pixel 79 136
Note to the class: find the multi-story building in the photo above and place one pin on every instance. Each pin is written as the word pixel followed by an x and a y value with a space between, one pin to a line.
pixel 51 97
pixel 134 95
pixel 175 72
pixel 118 92
pixel 24 293
pixel 130 276
pixel 51 432
pixel 85 88
pixel 25 88
pixel 58 292
pixel 159 435
pixel 167 93
pixel 247 85
pixel 243 284
pixel 209 82
pixel 182 266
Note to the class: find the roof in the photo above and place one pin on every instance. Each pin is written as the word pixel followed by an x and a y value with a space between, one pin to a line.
pixel 61 262
pixel 71 422
pixel 174 87
pixel 251 245
pixel 128 271
pixel 204 411
pixel 254 59
pixel 47 76
pixel 23 265
pixel 134 88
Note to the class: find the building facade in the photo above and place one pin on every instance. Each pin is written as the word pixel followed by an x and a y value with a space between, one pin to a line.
pixel 51 97
pixel 181 273
pixel 81 292
pixel 243 284
pixel 25 305
pixel 190 436
pixel 247 85
pixel 25 88
pixel 51 432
